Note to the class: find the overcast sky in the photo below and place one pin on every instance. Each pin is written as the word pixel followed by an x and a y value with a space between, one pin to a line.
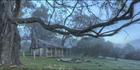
pixel 128 34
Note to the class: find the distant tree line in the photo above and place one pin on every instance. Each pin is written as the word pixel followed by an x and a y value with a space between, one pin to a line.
pixel 95 47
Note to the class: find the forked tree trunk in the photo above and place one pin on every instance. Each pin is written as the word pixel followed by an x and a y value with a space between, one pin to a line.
pixel 10 45
pixel 9 37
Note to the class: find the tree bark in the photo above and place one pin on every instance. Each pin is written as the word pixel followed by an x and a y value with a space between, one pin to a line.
pixel 10 46
pixel 9 37
pixel 7 43
pixel 0 51
pixel 16 49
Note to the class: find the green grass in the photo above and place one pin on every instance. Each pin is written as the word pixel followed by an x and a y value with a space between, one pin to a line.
pixel 100 64
pixel 43 63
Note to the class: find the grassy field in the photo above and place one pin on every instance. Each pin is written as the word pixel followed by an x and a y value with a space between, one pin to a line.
pixel 43 63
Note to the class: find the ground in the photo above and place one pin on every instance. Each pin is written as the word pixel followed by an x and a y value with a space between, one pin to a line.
pixel 43 63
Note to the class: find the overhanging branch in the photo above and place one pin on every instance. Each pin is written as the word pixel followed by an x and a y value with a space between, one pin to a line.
pixel 88 31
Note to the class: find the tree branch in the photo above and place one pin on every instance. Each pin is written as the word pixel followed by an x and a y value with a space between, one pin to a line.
pixel 88 31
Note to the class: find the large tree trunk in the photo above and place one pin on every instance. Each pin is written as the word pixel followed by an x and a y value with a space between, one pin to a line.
pixel 9 37
pixel 7 43
pixel 10 45
pixel 16 49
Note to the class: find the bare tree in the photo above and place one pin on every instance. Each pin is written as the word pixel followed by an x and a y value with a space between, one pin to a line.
pixel 9 18
pixel 122 13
